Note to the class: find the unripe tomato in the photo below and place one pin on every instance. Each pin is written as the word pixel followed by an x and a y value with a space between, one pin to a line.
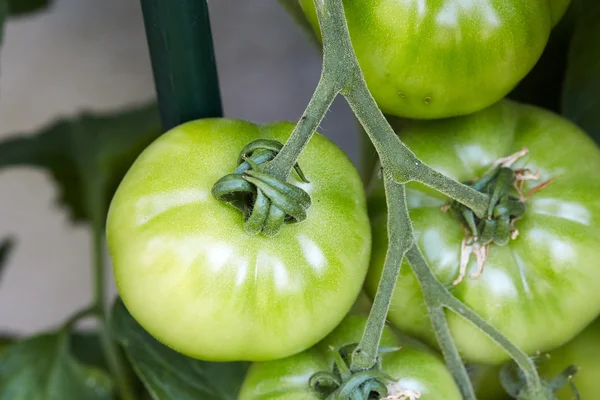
pixel 541 288
pixel 191 275
pixel 414 370
pixel 439 58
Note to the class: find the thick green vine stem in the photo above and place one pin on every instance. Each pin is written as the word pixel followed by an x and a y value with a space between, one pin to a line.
pixel 342 74
pixel 326 91
pixel 437 297
pixel 400 240
pixel 340 65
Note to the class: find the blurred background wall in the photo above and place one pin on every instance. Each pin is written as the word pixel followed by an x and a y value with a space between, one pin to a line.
pixel 89 54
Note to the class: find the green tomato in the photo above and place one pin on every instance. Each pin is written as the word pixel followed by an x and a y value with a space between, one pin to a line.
pixel 486 382
pixel 411 368
pixel 540 289
pixel 198 282
pixel 439 58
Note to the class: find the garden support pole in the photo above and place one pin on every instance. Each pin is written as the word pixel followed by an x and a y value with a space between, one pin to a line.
pixel 183 60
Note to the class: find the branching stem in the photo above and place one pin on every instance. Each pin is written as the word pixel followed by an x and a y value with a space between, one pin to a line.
pixel 342 74
pixel 402 163
pixel 319 104
pixel 400 240
pixel 111 351
pixel 437 297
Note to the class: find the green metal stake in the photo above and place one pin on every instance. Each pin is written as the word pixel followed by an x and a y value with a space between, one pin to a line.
pixel 183 60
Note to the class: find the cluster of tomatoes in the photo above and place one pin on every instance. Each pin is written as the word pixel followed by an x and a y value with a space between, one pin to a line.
pixel 192 276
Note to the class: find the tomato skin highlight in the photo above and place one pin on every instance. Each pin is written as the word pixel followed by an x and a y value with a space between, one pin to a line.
pixel 539 290
pixel 442 58
pixel 413 368
pixel 193 278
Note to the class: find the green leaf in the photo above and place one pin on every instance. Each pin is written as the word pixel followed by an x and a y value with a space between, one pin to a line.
pixel 5 249
pixel 42 368
pixel 544 84
pixel 87 155
pixel 86 347
pixel 171 375
pixel 5 341
pixel 293 8
pixel 581 99
pixel 21 7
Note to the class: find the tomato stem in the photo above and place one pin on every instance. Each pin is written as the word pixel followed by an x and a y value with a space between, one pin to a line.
pixel 400 165
pixel 404 165
pixel 341 66
pixel 449 350
pixel 283 163
pixel 111 351
pixel 181 50
pixel 438 297
pixel 79 315
pixel 400 240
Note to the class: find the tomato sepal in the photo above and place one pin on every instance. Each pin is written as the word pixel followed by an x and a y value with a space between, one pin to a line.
pixel 513 381
pixel 266 201
pixel 344 383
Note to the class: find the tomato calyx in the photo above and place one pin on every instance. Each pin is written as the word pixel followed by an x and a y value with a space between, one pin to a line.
pixel 504 186
pixel 344 383
pixel 515 384
pixel 265 201
pixel 497 227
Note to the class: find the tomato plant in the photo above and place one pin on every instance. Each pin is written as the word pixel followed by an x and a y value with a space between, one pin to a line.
pixel 239 250
pixel 192 276
pixel 435 59
pixel 530 287
pixel 413 370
